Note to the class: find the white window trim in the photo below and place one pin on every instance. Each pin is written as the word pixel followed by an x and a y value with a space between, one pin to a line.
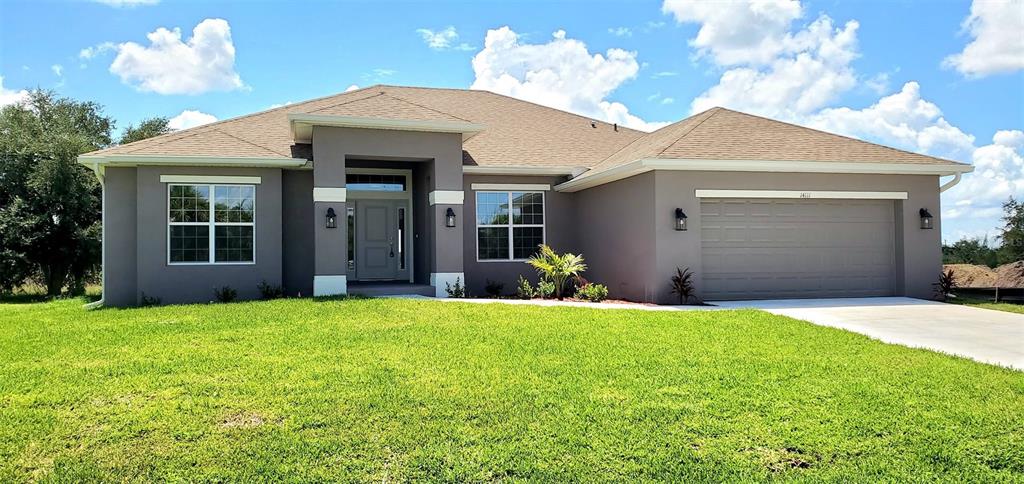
pixel 212 225
pixel 207 179
pixel 510 226
pixel 517 187
pixel 807 194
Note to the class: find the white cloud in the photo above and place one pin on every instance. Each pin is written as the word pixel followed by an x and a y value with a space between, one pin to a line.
pixel 668 100
pixel 997 27
pixel 444 39
pixel 206 62
pixel 278 105
pixel 879 83
pixel 190 119
pixel 127 3
pixel 561 73
pixel 737 32
pixel 58 70
pixel 93 51
pixel 621 31
pixel 351 88
pixel 904 120
pixel 10 96
pixel 811 71
pixel 659 75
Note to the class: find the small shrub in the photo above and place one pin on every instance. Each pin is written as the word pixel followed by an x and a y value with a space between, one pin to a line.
pixel 147 301
pixel 945 286
pixel 494 288
pixel 556 268
pixel 525 290
pixel 270 291
pixel 456 290
pixel 592 292
pixel 545 289
pixel 682 284
pixel 225 294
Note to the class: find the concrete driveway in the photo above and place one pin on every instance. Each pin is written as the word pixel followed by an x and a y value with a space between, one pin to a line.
pixel 981 334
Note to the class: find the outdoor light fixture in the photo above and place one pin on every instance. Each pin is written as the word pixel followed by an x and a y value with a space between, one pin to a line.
pixel 332 218
pixel 449 218
pixel 680 219
pixel 926 219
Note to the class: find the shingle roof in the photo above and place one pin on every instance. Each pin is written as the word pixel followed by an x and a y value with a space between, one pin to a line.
pixel 724 134
pixel 521 133
pixel 516 132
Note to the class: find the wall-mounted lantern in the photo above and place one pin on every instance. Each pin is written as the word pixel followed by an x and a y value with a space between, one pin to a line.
pixel 449 218
pixel 332 218
pixel 926 219
pixel 680 219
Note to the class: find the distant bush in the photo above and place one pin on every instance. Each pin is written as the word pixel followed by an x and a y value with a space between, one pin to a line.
pixel 494 288
pixel 945 286
pixel 524 290
pixel 456 290
pixel 682 285
pixel 225 294
pixel 592 292
pixel 270 291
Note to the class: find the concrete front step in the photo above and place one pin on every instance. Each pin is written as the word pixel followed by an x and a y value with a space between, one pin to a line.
pixel 375 289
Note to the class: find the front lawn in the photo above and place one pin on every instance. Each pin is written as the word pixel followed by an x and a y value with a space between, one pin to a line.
pixel 392 390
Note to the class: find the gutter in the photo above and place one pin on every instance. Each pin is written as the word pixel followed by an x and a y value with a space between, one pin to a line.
pixel 101 177
pixel 950 184
pixel 764 166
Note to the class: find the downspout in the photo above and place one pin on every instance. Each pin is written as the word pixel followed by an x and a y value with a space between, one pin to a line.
pixel 951 183
pixel 103 238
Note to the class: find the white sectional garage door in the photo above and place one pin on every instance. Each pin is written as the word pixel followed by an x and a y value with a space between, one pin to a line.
pixel 797 248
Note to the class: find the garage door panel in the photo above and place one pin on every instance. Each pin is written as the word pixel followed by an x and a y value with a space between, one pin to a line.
pixel 766 248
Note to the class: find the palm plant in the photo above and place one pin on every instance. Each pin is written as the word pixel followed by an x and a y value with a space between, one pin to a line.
pixel 556 268
pixel 682 284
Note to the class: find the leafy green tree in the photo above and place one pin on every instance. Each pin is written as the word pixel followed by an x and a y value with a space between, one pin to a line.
pixel 970 251
pixel 49 204
pixel 148 128
pixel 1012 235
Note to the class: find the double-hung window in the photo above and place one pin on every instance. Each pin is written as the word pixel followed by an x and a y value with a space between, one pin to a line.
pixel 211 224
pixel 509 225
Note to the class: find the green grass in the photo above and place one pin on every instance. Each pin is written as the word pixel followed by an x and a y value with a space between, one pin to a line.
pixel 986 304
pixel 386 390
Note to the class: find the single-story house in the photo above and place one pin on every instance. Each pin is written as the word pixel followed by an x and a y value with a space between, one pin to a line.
pixel 408 189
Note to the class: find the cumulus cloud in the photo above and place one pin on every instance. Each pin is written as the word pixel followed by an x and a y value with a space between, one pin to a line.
pixel 206 62
pixel 997 30
pixel 351 88
pixel 444 39
pixel 561 73
pixel 902 119
pixel 190 119
pixel 621 31
pixel 58 70
pixel 93 51
pixel 10 96
pixel 737 32
pixel 811 70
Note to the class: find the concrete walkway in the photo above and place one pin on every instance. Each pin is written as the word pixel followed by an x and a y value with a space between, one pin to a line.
pixel 984 335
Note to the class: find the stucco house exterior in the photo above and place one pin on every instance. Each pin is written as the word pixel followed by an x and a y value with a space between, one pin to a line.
pixel 409 188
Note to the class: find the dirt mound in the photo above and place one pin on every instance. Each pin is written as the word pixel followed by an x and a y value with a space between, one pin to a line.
pixel 968 275
pixel 1010 275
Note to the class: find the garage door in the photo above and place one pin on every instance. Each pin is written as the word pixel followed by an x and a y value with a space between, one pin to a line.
pixel 797 248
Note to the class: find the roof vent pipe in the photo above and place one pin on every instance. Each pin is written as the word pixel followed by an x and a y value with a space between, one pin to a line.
pixel 615 126
pixel 593 124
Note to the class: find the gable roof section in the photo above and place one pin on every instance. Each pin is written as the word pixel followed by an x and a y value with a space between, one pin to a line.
pixel 516 133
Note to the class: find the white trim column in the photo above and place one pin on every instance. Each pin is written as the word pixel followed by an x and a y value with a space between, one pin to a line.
pixel 330 285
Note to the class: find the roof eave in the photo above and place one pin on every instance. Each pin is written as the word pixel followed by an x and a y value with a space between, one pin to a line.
pixel 301 125
pixel 128 160
pixel 524 170
pixel 764 166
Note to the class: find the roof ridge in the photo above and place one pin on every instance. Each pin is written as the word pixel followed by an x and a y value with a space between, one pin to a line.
pixel 713 112
pixel 250 142
pixel 588 118
pixel 829 133
pixel 427 107
pixel 348 101
pixel 645 135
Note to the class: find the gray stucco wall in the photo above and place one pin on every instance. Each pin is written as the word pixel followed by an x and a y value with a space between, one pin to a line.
pixel 918 252
pixel 297 231
pixel 119 238
pixel 196 283
pixel 560 233
pixel 616 229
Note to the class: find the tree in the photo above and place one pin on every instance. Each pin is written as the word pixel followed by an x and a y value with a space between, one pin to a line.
pixel 1012 235
pixel 970 251
pixel 148 128
pixel 49 204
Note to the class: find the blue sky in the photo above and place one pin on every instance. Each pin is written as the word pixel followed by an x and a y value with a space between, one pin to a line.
pixel 877 70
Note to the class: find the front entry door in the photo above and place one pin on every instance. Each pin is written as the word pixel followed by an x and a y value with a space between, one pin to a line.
pixel 377 245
